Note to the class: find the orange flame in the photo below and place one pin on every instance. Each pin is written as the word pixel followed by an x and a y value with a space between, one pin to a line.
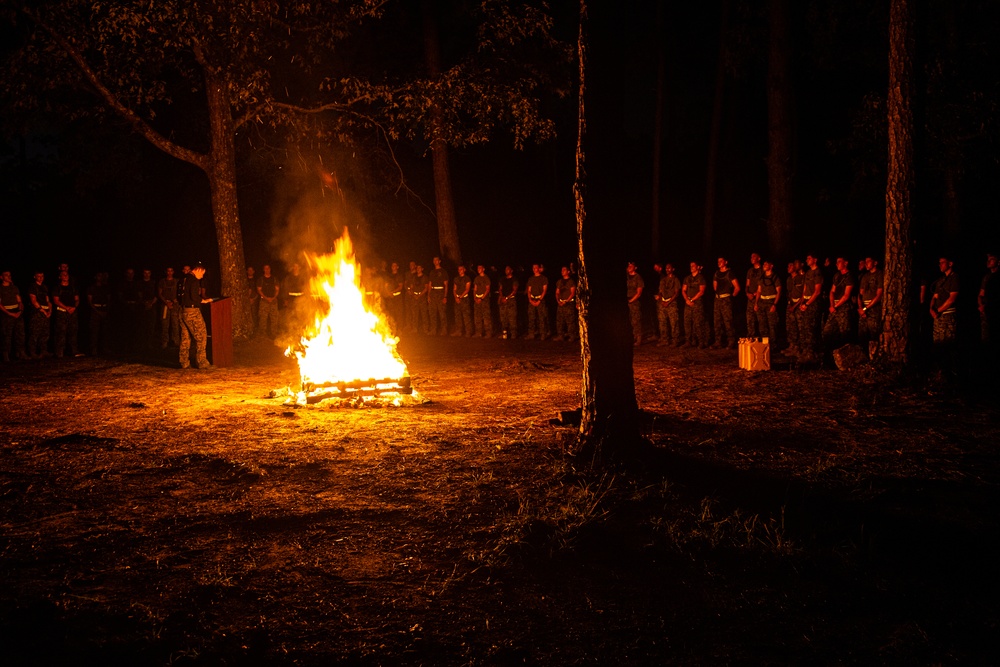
pixel 347 341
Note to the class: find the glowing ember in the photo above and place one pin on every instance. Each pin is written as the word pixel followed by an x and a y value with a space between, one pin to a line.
pixel 347 343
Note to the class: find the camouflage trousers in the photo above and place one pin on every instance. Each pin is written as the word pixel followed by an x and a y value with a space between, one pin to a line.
pixel 65 332
pixel 944 328
pixel 792 327
pixel 695 324
pixel 767 320
pixel 753 331
pixel 437 309
pixel 267 322
pixel 870 326
pixel 11 336
pixel 837 329
pixel 668 322
pixel 723 314
pixel 635 317
pixel 538 320
pixel 416 314
pixel 807 322
pixel 566 321
pixel 483 318
pixel 463 317
pixel 38 334
pixel 194 327
pixel 170 325
pixel 508 317
pixel 98 329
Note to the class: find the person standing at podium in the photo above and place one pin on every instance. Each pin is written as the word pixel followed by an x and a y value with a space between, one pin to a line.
pixel 194 323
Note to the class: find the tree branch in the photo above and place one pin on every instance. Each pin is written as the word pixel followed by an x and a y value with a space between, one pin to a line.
pixel 145 130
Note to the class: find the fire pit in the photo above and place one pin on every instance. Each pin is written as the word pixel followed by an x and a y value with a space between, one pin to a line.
pixel 348 352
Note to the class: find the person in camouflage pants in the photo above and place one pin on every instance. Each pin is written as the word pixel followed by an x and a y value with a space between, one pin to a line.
pixel 461 289
pixel 194 323
pixel 566 326
pixel 507 302
pixel 634 289
pixel 481 314
pixel 793 288
pixel 768 296
pixel 807 318
pixel 837 329
pixel 726 287
pixel 944 293
pixel 870 302
pixel 668 308
pixel 693 291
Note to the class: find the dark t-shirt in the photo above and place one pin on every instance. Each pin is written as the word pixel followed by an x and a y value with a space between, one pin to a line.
pixel 871 283
pixel 462 283
pixel 100 296
pixel 670 286
pixel 169 289
pixel 841 282
pixel 481 285
pixel 41 293
pixel 564 288
pixel 810 280
pixel 633 285
pixel 8 297
pixel 723 282
pixel 943 287
pixel 508 286
pixel 268 286
pixel 769 284
pixel 66 294
pixel 535 286
pixel 694 283
pixel 192 292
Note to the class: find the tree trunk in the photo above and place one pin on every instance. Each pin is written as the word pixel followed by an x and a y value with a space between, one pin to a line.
pixel 444 203
pixel 609 424
pixel 895 340
pixel 221 172
pixel 779 121
pixel 715 135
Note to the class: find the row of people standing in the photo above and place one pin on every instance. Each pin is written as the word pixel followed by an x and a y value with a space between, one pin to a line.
pixel 135 315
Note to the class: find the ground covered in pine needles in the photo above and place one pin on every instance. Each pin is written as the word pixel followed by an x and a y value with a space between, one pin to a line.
pixel 153 516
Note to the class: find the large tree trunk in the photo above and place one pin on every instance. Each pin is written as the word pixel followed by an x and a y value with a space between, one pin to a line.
pixel 444 203
pixel 779 121
pixel 895 340
pixel 610 414
pixel 221 172
pixel 715 135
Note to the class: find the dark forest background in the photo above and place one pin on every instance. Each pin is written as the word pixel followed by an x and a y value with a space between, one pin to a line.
pixel 82 188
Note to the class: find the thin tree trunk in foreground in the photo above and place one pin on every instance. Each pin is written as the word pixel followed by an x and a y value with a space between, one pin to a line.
pixel 895 340
pixel 610 415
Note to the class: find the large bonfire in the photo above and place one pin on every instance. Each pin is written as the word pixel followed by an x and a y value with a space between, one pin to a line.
pixel 348 348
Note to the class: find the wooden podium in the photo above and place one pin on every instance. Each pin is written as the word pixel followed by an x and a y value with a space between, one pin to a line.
pixel 220 332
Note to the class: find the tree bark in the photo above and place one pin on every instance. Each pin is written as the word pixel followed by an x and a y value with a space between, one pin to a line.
pixel 444 202
pixel 779 121
pixel 715 135
pixel 895 340
pixel 221 172
pixel 219 166
pixel 609 424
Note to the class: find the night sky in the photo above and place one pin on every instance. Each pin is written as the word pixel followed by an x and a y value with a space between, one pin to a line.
pixel 89 192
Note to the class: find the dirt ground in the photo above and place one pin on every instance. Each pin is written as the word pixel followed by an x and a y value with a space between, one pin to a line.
pixel 153 516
